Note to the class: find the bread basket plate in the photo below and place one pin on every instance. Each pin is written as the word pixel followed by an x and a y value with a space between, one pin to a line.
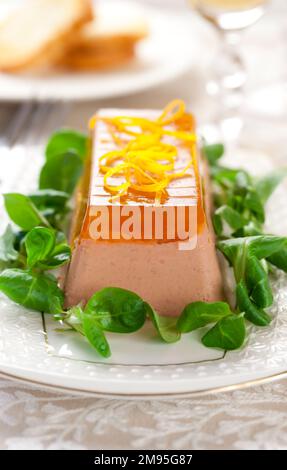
pixel 141 366
pixel 170 50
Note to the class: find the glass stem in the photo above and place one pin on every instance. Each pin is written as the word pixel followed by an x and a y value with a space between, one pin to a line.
pixel 227 85
pixel 231 71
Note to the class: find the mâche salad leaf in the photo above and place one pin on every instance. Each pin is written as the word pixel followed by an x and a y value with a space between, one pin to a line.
pixel 213 153
pixel 65 140
pixel 166 327
pixel 266 186
pixel 23 212
pixel 265 246
pixel 61 172
pixel 43 250
pixel 227 215
pixel 60 255
pixel 49 198
pixel 117 310
pixel 39 243
pixel 28 255
pixel 229 333
pixel 253 313
pixel 199 314
pixel 95 335
pixel 8 253
pixel 279 258
pixel 257 282
pixel 32 290
pixel 238 222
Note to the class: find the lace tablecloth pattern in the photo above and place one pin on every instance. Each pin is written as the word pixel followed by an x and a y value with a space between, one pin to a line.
pixel 252 418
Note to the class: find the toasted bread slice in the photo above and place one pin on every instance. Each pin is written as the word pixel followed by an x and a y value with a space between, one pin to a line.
pixel 109 40
pixel 97 61
pixel 112 24
pixel 39 31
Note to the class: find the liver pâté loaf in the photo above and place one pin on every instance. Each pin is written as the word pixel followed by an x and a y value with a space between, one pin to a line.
pixel 142 216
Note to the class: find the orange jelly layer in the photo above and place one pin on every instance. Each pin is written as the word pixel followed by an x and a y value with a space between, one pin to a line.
pixel 177 203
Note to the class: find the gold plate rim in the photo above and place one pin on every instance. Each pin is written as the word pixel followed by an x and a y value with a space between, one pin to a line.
pixel 146 396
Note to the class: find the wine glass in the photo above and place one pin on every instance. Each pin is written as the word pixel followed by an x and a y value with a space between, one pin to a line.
pixel 227 73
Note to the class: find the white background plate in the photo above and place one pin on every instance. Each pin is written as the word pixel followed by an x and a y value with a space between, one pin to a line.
pixel 140 365
pixel 170 50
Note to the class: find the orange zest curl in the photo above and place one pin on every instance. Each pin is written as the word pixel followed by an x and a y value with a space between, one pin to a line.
pixel 144 162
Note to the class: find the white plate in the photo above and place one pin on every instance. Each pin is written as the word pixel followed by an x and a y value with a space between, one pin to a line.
pixel 169 51
pixel 140 365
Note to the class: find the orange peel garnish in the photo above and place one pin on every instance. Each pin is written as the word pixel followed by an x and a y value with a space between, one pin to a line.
pixel 146 163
